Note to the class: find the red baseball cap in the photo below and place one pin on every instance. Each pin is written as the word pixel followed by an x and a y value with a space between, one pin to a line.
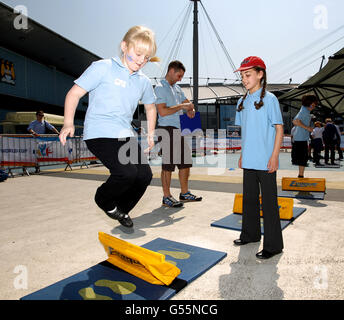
pixel 251 62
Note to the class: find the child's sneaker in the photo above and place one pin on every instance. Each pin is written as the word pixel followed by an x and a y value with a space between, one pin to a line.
pixel 171 202
pixel 189 197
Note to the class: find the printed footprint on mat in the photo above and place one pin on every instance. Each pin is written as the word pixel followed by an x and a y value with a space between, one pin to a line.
pixel 180 255
pixel 89 294
pixel 119 287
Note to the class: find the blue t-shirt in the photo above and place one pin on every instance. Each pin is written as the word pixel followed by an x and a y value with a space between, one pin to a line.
pixel 257 129
pixel 305 116
pixel 171 96
pixel 40 127
pixel 113 97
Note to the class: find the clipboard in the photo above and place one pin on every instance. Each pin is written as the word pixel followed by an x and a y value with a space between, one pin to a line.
pixel 190 125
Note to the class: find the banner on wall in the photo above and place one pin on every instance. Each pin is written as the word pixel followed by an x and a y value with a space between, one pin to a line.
pixel 7 74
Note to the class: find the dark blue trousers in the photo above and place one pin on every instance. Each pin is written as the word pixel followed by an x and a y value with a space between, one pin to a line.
pixel 254 182
pixel 130 173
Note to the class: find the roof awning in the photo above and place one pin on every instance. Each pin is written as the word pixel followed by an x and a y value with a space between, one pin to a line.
pixel 327 85
pixel 217 91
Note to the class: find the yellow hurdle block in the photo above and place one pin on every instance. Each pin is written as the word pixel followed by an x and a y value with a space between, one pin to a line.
pixel 140 262
pixel 285 206
pixel 304 184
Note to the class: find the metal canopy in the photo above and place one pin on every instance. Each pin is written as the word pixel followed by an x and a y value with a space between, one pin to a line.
pixel 327 85
pixel 218 91
pixel 43 45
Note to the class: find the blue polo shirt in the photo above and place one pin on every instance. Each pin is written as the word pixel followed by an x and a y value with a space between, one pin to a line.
pixel 171 96
pixel 257 129
pixel 40 127
pixel 302 134
pixel 113 97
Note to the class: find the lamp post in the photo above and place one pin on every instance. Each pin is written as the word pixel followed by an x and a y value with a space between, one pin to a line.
pixel 195 54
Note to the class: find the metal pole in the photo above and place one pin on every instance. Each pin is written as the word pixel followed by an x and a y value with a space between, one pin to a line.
pixel 322 61
pixel 195 55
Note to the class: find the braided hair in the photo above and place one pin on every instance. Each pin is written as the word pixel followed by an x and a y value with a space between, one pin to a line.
pixel 263 82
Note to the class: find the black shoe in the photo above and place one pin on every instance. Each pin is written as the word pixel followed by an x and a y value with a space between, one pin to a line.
pixel 189 197
pixel 265 254
pixel 300 176
pixel 239 242
pixel 123 218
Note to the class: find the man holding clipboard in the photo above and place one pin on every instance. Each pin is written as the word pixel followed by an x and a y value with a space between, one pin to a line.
pixel 171 102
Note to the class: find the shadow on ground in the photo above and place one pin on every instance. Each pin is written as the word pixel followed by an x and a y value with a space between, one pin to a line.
pixel 250 278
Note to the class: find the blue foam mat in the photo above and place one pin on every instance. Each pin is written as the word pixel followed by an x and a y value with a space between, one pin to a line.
pixel 192 261
pixel 71 288
pixel 87 285
pixel 234 221
pixel 302 194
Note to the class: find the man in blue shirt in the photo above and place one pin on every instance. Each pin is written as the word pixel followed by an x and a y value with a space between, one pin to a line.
pixel 330 137
pixel 40 125
pixel 301 135
pixel 171 102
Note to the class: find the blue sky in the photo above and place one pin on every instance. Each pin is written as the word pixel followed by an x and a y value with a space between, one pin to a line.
pixel 275 30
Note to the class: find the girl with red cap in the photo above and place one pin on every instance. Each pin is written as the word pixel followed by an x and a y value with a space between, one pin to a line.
pixel 259 115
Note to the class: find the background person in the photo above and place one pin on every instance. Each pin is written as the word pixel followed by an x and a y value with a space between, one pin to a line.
pixel 317 142
pixel 40 126
pixel 330 137
pixel 301 135
pixel 170 103
pixel 338 142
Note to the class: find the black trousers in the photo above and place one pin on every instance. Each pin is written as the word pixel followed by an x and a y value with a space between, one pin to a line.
pixel 317 147
pixel 330 147
pixel 130 173
pixel 340 152
pixel 251 229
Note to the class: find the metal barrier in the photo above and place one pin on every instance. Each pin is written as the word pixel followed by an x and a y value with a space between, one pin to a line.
pixel 23 151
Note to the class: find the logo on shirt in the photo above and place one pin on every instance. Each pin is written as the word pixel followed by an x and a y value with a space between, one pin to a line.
pixel 119 82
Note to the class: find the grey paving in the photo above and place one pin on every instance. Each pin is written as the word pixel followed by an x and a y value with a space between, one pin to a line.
pixel 49 227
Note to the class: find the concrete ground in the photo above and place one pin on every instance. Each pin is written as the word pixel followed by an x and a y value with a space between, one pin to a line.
pixel 49 227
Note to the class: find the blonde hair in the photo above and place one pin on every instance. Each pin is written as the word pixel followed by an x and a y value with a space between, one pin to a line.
pixel 141 38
